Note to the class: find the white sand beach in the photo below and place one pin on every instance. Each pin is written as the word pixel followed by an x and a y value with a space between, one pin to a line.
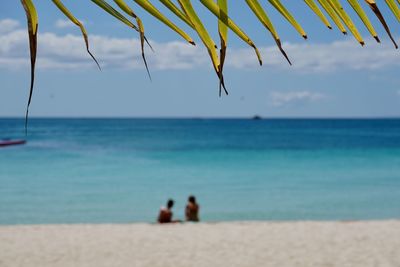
pixel 341 244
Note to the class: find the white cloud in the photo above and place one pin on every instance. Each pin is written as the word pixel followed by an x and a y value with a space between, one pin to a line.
pixel 279 99
pixel 63 23
pixel 308 57
pixel 66 23
pixel 8 25
pixel 68 52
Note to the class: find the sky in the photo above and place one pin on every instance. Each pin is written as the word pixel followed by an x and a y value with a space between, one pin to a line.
pixel 331 75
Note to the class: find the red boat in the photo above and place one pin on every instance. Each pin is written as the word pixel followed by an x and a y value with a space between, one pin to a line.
pixel 11 142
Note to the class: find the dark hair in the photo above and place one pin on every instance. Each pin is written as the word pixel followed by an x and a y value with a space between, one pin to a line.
pixel 170 203
pixel 192 199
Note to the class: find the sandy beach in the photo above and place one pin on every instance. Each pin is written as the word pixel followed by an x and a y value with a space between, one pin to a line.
pixel 367 243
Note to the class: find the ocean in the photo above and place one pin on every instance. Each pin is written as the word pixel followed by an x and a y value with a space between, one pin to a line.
pixel 123 170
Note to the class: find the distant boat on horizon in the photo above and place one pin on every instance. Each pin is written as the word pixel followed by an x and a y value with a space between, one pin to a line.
pixel 10 142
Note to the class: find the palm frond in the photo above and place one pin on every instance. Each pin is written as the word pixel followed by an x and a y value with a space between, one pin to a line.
pixel 332 14
pixel 337 7
pixel 33 24
pixel 374 7
pixel 213 7
pixel 223 35
pixel 361 14
pixel 179 13
pixel 288 16
pixel 74 20
pixel 145 4
pixel 205 37
pixel 186 13
pixel 264 19
pixel 314 7
pixel 129 11
pixel 394 8
pixel 116 14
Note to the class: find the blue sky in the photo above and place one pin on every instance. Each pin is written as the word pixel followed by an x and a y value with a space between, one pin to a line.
pixel 331 76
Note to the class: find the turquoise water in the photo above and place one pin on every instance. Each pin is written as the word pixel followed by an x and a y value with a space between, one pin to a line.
pixel 123 170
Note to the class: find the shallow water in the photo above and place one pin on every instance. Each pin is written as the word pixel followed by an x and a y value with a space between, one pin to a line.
pixel 123 170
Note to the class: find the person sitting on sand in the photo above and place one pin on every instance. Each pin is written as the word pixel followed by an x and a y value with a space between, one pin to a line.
pixel 165 215
pixel 192 210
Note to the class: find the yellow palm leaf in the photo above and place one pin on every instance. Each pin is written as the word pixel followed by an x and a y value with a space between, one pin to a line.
pixel 205 38
pixel 325 5
pixel 318 12
pixel 171 6
pixel 74 20
pixel 129 11
pixel 264 19
pixel 223 34
pixel 110 10
pixel 213 7
pixel 33 24
pixel 278 6
pixel 361 13
pixel 394 8
pixel 374 7
pixel 337 7
pixel 146 5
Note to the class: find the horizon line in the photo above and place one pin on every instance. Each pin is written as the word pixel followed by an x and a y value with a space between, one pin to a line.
pixel 254 117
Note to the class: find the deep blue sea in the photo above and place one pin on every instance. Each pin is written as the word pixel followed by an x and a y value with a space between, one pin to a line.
pixel 123 170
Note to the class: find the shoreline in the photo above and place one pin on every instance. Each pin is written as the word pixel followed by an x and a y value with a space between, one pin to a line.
pixel 242 243
pixel 204 222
